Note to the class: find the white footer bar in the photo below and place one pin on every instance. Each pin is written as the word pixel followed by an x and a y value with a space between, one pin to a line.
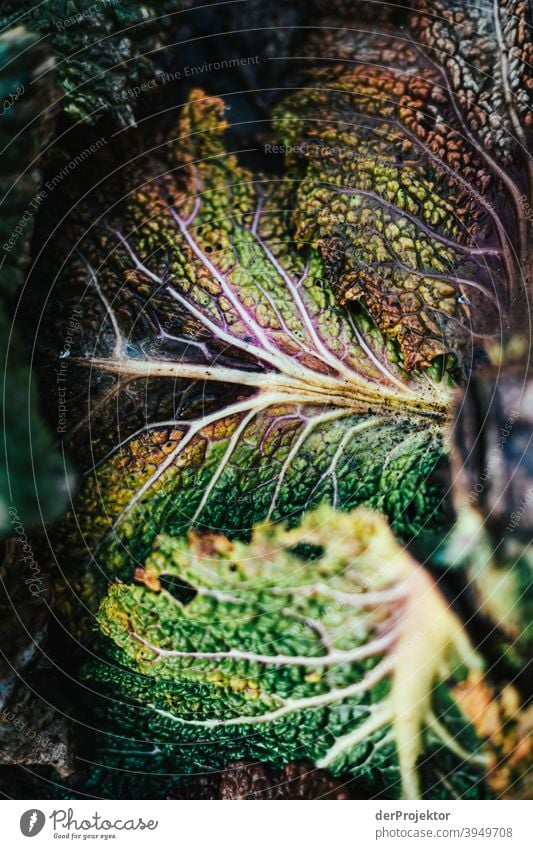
pixel 263 825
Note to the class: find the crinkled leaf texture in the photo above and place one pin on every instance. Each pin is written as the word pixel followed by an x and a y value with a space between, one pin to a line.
pixel 262 395
pixel 102 49
pixel 325 642
pixel 410 155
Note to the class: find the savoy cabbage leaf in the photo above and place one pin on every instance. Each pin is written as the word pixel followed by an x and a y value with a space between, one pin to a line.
pixel 409 153
pixel 326 642
pixel 259 391
pixel 251 346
